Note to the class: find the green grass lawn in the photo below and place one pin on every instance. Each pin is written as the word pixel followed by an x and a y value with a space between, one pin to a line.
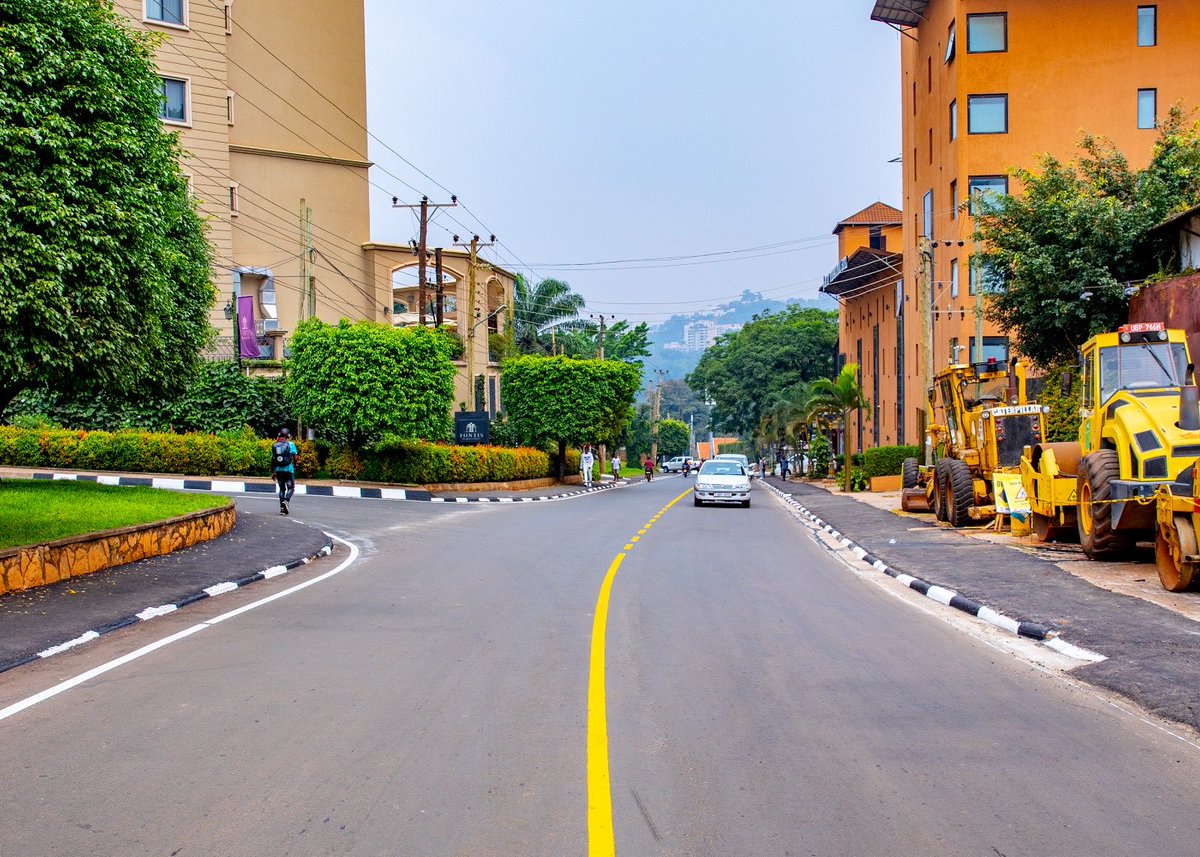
pixel 36 511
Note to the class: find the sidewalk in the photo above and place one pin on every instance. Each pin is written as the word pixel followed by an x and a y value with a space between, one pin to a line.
pixel 1153 653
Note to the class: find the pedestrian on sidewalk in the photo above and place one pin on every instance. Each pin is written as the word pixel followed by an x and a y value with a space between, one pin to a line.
pixel 283 456
pixel 616 466
pixel 784 467
pixel 587 461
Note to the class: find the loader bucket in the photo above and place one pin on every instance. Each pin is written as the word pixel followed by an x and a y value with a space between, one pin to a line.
pixel 914 500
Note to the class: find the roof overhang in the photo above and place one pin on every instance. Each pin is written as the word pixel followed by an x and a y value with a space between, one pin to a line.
pixel 1176 220
pixel 866 270
pixel 900 13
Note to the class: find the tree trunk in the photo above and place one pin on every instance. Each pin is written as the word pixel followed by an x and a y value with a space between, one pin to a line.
pixel 847 465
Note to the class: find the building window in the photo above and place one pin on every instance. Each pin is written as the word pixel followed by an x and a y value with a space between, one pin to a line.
pixel 987 34
pixel 229 17
pixel 929 74
pixel 953 120
pixel 950 35
pixel 878 241
pixel 954 200
pixel 233 199
pixel 1147 26
pixel 229 106
pixel 174 101
pixel 928 214
pixel 953 278
pixel 987 114
pixel 954 349
pixel 984 186
pixel 166 12
pixel 1147 108
pixel 931 145
pixel 985 274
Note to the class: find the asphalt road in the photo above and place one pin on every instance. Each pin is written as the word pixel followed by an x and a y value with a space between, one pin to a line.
pixel 431 697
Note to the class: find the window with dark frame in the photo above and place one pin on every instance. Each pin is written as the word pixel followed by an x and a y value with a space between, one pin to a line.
pixel 1147 26
pixel 954 278
pixel 987 33
pixel 1147 108
pixel 927 209
pixel 950 38
pixel 987 114
pixel 953 120
pixel 981 186
pixel 954 199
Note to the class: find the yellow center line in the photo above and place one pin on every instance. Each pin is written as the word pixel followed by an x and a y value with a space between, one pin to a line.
pixel 599 785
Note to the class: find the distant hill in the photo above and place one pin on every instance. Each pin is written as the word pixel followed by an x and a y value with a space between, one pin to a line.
pixel 680 363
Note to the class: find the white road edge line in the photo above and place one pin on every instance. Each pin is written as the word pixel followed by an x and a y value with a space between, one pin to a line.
pixel 62 687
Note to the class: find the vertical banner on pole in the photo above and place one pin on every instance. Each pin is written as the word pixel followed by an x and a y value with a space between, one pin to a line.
pixel 246 332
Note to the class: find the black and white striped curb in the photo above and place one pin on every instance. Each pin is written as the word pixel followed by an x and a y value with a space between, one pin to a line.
pixel 948 597
pixel 163 609
pixel 234 487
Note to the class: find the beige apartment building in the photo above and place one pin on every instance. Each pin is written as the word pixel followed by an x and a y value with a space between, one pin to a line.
pixel 270 100
pixel 988 85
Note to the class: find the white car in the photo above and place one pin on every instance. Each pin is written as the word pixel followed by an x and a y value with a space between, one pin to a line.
pixel 675 465
pixel 722 480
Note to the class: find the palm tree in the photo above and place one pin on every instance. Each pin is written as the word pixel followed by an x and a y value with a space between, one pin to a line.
pixel 839 398
pixel 549 305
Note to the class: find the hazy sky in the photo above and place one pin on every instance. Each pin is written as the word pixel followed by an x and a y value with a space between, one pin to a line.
pixel 584 133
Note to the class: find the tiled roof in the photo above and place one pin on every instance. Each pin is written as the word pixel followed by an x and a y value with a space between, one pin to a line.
pixel 876 214
pixel 902 13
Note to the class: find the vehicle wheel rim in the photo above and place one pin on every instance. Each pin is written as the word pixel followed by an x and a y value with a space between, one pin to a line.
pixel 1085 509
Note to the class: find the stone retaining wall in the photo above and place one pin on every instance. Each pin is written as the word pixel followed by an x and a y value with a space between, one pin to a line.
pixel 37 565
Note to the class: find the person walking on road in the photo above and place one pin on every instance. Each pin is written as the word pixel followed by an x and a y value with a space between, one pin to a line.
pixel 283 454
pixel 586 462
pixel 616 466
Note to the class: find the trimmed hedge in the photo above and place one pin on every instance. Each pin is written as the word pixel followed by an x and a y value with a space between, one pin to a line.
pixel 887 460
pixel 413 462
pixel 146 452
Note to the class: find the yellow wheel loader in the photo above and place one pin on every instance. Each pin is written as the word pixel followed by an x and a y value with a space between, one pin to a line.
pixel 1130 477
pixel 981 423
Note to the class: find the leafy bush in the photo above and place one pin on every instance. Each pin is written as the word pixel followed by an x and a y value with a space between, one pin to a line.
pixel 887 460
pixel 859 481
pixel 193 454
pixel 820 452
pixel 413 462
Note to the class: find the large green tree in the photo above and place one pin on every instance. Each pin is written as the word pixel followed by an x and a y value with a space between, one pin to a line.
pixel 742 370
pixel 356 382
pixel 564 401
pixel 1062 251
pixel 105 270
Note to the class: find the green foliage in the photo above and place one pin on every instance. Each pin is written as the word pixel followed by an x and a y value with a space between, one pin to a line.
pixel 37 511
pixel 550 305
pixel 563 401
pixel 410 462
pixel 357 382
pixel 859 480
pixel 1078 232
pixel 673 438
pixel 1062 423
pixel 887 460
pixel 839 398
pixel 741 371
pixel 195 454
pixel 820 453
pixel 105 274
pixel 218 398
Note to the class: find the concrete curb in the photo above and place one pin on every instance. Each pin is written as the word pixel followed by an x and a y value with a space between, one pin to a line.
pixel 944 595
pixel 243 487
pixel 163 609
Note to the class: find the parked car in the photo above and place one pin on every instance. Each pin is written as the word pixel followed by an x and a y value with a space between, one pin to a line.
pixel 675 465
pixel 722 480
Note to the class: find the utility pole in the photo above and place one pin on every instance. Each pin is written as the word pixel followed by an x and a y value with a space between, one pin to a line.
pixel 440 314
pixel 473 246
pixel 925 313
pixel 424 205
pixel 308 280
pixel 601 317
pixel 977 276
pixel 655 401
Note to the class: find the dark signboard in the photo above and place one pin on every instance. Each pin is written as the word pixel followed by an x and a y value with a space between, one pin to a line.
pixel 472 427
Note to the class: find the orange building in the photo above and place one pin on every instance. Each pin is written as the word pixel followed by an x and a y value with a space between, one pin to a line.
pixel 989 85
pixel 867 285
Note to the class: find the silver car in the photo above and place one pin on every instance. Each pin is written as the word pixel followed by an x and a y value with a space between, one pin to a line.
pixel 722 480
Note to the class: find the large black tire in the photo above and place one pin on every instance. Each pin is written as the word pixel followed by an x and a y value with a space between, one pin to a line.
pixel 939 489
pixel 1093 485
pixel 960 492
pixel 910 472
